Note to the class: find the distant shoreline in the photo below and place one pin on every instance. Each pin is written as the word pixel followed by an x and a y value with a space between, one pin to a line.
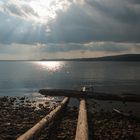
pixel 125 57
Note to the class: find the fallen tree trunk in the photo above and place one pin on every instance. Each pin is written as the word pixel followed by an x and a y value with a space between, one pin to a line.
pixel 82 125
pixel 95 95
pixel 34 132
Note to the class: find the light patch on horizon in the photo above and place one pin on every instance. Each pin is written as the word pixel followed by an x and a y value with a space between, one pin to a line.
pixel 68 50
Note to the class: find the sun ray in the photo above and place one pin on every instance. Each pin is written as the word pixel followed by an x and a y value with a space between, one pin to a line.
pixel 47 9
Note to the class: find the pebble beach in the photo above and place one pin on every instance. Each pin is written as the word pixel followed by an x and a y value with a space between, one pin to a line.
pixel 18 114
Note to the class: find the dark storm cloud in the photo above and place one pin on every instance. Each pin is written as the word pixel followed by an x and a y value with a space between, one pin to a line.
pixel 13 30
pixel 99 21
pixel 134 1
pixel 125 11
pixel 103 20
pixel 87 25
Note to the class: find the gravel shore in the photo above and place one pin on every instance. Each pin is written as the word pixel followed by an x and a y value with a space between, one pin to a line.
pixel 17 115
pixel 112 126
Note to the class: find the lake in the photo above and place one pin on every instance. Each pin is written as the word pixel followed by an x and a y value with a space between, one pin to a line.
pixel 19 78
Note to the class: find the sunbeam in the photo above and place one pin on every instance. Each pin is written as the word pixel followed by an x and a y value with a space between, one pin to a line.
pixel 47 9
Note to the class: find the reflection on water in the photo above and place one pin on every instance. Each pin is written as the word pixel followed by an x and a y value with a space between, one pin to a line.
pixel 51 65
pixel 26 78
pixel 20 78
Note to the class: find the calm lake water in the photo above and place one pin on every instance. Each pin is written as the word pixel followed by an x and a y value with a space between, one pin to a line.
pixel 19 78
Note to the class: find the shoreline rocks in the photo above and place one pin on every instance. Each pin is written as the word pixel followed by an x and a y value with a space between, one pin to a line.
pixel 17 115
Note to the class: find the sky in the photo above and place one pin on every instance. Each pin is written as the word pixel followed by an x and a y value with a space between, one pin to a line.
pixel 37 29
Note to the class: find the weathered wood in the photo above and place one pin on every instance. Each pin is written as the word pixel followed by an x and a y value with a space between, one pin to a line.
pixel 33 133
pixel 95 95
pixel 82 125
pixel 122 113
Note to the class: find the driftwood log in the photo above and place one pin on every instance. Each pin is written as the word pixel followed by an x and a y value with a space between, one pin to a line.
pixel 82 125
pixel 95 95
pixel 34 132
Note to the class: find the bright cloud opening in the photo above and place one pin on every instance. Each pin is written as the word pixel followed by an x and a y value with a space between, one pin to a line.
pixel 40 11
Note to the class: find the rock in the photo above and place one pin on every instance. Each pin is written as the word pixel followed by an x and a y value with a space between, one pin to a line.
pixel 8 137
pixel 129 126
pixel 22 98
pixel 61 137
pixel 7 124
pixel 40 106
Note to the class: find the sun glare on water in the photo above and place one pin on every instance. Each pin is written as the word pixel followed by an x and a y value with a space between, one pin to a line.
pixel 51 66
